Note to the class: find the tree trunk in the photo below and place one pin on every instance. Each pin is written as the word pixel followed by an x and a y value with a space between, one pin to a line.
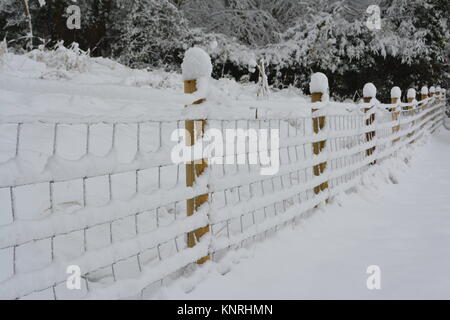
pixel 26 10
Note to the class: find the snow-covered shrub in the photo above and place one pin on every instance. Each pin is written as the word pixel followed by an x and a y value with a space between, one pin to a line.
pixel 158 79
pixel 229 56
pixel 61 58
pixel 263 83
pixel 153 34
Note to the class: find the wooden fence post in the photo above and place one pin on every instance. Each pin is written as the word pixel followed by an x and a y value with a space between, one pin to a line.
pixel 433 94
pixel 423 93
pixel 439 92
pixel 369 93
pixel 411 97
pixel 196 66
pixel 432 91
pixel 318 86
pixel 195 169
pixel 424 96
pixel 396 94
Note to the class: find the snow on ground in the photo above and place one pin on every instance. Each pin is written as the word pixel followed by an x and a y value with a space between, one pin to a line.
pixel 35 87
pixel 402 228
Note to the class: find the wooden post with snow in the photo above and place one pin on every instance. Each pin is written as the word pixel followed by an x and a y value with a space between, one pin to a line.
pixel 424 96
pixel 396 94
pixel 411 98
pixel 318 88
pixel 432 102
pixel 439 98
pixel 369 93
pixel 196 65
pixel 432 91
pixel 423 93
pixel 438 93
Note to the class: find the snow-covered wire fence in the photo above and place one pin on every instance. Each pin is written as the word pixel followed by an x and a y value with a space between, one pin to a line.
pixel 106 196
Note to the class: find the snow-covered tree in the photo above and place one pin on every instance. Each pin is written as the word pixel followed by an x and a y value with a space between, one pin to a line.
pixel 241 19
pixel 327 39
pixel 284 11
pixel 12 19
pixel 296 37
pixel 153 33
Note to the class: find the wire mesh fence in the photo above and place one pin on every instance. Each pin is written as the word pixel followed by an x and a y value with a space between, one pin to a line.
pixel 108 198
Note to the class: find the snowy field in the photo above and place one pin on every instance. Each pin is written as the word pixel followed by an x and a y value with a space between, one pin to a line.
pixel 403 228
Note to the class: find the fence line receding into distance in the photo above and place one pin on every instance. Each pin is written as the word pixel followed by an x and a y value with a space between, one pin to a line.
pixel 113 203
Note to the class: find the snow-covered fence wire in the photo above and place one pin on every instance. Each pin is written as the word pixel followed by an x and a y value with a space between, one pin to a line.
pixel 107 198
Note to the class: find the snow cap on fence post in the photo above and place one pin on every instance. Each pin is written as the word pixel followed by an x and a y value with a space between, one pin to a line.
pixel 396 94
pixel 196 64
pixel 318 86
pixel 432 91
pixel 411 95
pixel 197 69
pixel 424 93
pixel 369 92
pixel 438 91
